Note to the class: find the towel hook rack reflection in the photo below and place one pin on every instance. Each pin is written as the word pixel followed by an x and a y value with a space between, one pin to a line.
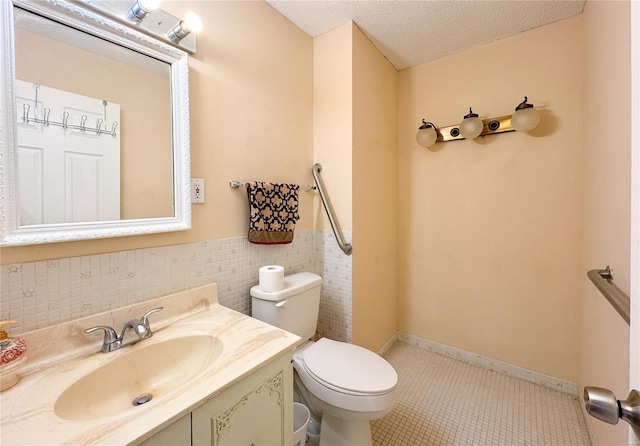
pixel 101 123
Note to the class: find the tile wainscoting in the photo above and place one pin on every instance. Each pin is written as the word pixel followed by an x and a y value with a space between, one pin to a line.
pixel 41 294
pixel 334 321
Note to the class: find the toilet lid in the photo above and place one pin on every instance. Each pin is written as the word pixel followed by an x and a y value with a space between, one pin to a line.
pixel 349 367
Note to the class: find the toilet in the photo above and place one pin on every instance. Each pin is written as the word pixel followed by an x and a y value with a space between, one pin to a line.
pixel 348 384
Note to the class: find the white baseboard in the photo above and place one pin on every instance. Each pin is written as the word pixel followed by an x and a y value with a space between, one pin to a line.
pixel 389 344
pixel 540 379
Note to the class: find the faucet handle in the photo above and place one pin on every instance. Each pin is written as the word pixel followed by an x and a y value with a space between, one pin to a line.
pixel 145 317
pixel 110 337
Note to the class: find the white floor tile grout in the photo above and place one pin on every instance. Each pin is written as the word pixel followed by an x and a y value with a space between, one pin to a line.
pixel 444 401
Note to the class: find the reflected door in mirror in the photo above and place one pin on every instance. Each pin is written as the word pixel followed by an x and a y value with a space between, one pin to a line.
pixel 140 187
pixel 71 172
pixel 53 55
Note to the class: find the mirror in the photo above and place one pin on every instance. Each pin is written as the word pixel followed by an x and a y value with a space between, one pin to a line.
pixel 95 139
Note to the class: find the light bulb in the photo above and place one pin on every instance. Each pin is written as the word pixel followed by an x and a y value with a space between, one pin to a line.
pixel 192 22
pixel 471 126
pixel 526 117
pixel 184 27
pixel 149 5
pixel 141 8
pixel 427 135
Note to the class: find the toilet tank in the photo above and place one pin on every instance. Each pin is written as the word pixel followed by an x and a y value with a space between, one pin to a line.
pixel 294 308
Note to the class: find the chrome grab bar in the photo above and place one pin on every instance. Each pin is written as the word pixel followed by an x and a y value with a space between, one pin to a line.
pixel 603 280
pixel 346 247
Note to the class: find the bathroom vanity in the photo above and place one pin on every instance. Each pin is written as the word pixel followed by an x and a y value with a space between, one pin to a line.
pixel 216 377
pixel 250 412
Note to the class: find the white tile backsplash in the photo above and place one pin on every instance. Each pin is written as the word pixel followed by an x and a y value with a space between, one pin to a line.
pixel 41 294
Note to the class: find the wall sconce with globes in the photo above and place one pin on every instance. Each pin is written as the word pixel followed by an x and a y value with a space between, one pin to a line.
pixel 525 119
pixel 427 134
pixel 471 125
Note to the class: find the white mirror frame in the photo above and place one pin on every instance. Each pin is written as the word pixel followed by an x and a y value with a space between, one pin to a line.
pixel 11 233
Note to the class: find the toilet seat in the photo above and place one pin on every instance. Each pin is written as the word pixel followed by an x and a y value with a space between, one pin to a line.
pixel 348 368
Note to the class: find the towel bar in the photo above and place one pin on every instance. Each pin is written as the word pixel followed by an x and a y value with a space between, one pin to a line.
pixel 603 280
pixel 237 184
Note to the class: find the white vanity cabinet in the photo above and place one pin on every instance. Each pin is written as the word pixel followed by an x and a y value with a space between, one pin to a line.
pixel 176 434
pixel 258 411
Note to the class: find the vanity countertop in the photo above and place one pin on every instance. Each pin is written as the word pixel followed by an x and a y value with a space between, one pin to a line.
pixel 61 355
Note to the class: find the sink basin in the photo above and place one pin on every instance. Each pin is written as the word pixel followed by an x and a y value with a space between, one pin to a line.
pixel 155 369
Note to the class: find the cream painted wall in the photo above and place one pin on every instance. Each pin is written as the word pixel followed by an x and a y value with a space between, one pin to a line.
pixel 607 185
pixel 251 119
pixel 333 121
pixel 355 140
pixel 491 230
pixel 375 209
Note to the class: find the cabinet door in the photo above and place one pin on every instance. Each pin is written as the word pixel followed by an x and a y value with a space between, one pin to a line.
pixel 257 411
pixel 176 434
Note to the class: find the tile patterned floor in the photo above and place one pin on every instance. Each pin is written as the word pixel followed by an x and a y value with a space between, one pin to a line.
pixel 446 402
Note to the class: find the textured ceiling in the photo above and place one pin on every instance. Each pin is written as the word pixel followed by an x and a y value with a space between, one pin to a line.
pixel 410 32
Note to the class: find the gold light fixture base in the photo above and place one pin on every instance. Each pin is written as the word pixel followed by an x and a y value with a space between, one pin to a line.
pixel 492 126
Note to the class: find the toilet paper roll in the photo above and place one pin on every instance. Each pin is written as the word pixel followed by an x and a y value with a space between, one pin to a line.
pixel 271 278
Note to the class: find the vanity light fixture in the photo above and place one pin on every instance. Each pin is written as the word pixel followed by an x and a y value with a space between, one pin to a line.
pixel 471 125
pixel 147 17
pixel 525 119
pixel 141 8
pixel 190 23
pixel 427 134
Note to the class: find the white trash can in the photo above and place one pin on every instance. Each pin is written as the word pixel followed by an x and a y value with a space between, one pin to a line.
pixel 313 431
pixel 301 417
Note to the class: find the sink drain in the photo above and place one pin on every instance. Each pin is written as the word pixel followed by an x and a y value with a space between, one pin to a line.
pixel 141 399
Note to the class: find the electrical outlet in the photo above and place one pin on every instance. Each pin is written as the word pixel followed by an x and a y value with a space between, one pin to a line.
pixel 197 190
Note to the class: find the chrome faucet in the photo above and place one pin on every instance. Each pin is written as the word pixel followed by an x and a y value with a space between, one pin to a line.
pixel 140 327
